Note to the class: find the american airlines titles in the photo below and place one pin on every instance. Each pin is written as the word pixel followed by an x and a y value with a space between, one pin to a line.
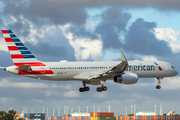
pixel 141 68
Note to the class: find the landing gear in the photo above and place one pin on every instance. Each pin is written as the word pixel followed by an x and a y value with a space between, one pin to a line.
pixel 83 89
pixel 158 87
pixel 159 82
pixel 102 88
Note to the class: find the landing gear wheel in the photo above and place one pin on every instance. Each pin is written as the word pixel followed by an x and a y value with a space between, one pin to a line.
pixel 86 88
pixel 104 88
pixel 81 89
pixel 158 87
pixel 99 89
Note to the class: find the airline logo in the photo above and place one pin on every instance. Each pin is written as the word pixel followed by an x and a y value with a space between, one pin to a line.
pixel 22 56
pixel 143 67
pixel 159 67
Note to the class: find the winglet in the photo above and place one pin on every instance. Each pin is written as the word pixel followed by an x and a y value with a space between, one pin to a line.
pixel 123 57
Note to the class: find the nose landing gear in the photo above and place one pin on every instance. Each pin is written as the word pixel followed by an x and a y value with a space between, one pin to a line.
pixel 159 82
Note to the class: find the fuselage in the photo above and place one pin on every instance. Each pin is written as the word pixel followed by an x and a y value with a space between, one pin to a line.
pixel 62 71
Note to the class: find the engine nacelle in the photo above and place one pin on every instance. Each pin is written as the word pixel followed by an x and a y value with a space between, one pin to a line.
pixel 127 78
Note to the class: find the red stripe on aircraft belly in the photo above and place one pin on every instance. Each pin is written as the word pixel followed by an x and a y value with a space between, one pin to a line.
pixel 31 64
pixel 17 56
pixel 8 39
pixel 13 48
pixel 36 72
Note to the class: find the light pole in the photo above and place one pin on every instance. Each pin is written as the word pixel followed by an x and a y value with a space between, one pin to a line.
pixel 31 110
pixel 94 107
pixel 67 110
pixel 126 110
pixel 79 108
pixel 87 109
pixel 160 108
pixel 131 109
pixel 109 108
pixel 98 109
pixel 134 109
pixel 155 109
pixel 59 111
pixel 47 112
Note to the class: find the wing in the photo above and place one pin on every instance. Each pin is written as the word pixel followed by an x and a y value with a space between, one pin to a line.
pixel 118 69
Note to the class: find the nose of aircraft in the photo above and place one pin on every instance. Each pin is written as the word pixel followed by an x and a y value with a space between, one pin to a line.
pixel 176 72
pixel 5 69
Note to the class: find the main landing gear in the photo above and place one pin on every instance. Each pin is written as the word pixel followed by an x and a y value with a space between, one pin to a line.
pixel 159 82
pixel 102 88
pixel 83 89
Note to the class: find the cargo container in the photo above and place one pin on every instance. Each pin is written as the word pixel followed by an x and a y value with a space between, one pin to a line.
pixel 106 118
pixel 133 117
pixel 94 118
pixel 121 118
pixel 126 118
pixel 102 114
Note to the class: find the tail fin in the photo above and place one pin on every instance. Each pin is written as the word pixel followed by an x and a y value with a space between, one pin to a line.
pixel 19 52
pixel 171 113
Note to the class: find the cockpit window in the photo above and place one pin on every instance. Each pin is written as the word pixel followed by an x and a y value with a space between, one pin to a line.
pixel 172 67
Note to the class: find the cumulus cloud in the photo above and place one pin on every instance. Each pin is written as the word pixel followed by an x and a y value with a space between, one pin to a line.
pixel 171 83
pixel 141 40
pixel 170 36
pixel 85 47
pixel 149 58
pixel 71 94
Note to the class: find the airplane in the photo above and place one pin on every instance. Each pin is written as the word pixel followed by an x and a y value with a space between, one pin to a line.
pixel 94 73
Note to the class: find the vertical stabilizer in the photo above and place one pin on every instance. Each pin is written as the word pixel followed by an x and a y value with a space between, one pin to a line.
pixel 18 51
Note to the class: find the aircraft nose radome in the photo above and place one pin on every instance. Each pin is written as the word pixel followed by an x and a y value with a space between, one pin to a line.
pixel 5 69
pixel 177 72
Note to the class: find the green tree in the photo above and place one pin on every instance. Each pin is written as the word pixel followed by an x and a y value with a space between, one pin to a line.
pixel 69 115
pixel 10 115
pixel 21 119
pixel 130 114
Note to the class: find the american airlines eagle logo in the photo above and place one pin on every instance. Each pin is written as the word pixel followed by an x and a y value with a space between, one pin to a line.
pixel 159 67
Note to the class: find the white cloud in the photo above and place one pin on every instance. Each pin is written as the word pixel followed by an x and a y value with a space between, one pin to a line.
pixel 5 100
pixel 71 94
pixel 171 36
pixel 150 58
pixel 84 47
pixel 100 95
pixel 6 83
pixel 171 83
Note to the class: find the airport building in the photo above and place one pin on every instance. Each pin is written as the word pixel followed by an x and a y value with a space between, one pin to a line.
pixel 145 113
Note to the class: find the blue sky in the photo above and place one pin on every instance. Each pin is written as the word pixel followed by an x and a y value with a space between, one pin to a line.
pixel 91 30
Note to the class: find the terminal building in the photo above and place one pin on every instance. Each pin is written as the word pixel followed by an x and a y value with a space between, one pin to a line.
pixel 145 113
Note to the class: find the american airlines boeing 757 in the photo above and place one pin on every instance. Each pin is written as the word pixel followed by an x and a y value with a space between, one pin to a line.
pixel 94 73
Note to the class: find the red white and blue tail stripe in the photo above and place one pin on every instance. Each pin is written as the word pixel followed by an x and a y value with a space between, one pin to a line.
pixel 23 59
pixel 19 52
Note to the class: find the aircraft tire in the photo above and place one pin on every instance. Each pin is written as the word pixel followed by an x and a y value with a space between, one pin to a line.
pixel 81 89
pixel 99 89
pixel 87 88
pixel 104 88
pixel 158 87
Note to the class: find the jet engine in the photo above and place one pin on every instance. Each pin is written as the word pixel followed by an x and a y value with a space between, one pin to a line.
pixel 126 78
